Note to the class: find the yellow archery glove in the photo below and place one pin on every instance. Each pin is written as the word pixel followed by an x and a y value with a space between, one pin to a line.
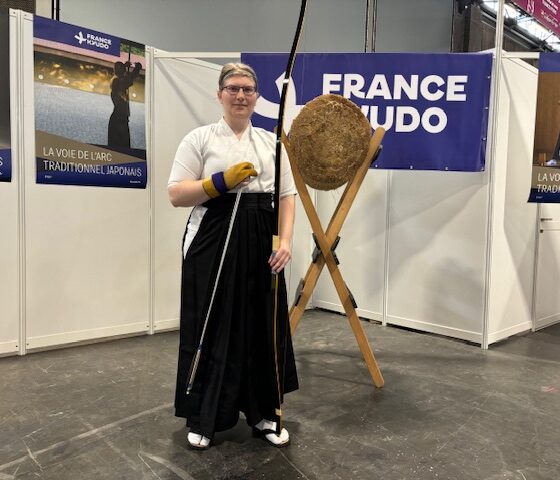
pixel 220 182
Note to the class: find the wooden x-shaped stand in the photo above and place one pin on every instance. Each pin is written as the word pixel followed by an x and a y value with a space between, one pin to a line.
pixel 325 253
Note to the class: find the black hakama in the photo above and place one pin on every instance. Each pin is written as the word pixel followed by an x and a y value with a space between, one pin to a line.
pixel 237 370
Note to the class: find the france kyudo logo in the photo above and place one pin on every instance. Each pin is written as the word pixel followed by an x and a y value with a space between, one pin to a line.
pixel 93 40
pixel 401 118
pixel 60 32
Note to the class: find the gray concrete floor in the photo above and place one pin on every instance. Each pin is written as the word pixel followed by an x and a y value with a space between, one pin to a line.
pixel 449 410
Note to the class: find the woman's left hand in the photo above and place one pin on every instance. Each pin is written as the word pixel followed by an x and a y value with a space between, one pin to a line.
pixel 279 259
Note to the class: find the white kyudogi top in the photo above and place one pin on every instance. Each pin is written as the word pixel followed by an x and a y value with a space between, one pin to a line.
pixel 214 148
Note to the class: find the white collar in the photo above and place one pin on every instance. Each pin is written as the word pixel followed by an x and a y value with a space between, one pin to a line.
pixel 228 130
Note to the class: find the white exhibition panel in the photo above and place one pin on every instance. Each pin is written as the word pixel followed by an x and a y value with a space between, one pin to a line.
pixel 434 249
pixel 547 300
pixel 547 309
pixel 435 253
pixel 87 252
pixel 185 98
pixel 436 256
pixel 9 276
pixel 361 250
pixel 513 218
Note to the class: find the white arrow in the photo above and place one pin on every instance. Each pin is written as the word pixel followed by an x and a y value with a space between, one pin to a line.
pixel 268 109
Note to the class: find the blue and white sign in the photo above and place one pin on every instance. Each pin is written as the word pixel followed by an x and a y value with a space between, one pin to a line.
pixel 80 164
pixel 76 36
pixel 433 106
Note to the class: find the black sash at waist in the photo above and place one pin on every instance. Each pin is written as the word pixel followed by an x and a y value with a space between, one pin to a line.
pixel 262 201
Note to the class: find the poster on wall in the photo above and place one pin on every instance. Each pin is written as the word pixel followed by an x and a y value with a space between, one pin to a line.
pixel 434 107
pixel 545 179
pixel 5 129
pixel 89 107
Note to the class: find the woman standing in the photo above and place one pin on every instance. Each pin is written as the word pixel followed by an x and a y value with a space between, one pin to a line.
pixel 245 366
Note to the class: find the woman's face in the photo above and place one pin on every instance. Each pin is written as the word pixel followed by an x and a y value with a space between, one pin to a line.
pixel 240 105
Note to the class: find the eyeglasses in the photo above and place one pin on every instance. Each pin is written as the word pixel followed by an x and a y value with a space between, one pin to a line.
pixel 234 90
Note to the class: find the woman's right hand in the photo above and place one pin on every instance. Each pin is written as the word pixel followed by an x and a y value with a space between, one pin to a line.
pixel 239 173
pixel 221 182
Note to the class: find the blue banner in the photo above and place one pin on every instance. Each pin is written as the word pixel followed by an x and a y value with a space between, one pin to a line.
pixel 75 36
pixel 131 175
pixel 545 178
pixel 5 126
pixel 549 62
pixel 433 106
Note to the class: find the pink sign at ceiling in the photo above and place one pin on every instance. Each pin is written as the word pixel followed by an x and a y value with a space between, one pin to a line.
pixel 547 12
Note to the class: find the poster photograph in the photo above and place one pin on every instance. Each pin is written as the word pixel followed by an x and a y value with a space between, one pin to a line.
pixel 5 130
pixel 89 107
pixel 545 181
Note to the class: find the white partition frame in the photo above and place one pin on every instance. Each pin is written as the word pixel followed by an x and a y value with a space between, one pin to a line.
pixel 9 217
pixel 459 257
pixel 514 220
pixel 419 249
pixel 91 262
pixel 86 252
pixel 436 251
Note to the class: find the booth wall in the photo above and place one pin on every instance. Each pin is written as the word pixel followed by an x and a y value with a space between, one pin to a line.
pixel 426 267
pixel 100 262
pixel 513 219
pixel 183 100
pixel 438 269
pixel 9 259
pixel 437 234
pixel 361 250
pixel 420 245
pixel 87 266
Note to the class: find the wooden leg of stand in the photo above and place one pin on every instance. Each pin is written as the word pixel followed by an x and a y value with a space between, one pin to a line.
pixel 325 242
pixel 344 296
pixel 355 323
pixel 309 282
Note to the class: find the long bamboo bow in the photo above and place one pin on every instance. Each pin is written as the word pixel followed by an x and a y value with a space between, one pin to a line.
pixel 277 176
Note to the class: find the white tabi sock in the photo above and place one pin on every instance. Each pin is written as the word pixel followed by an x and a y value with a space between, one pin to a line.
pixel 273 437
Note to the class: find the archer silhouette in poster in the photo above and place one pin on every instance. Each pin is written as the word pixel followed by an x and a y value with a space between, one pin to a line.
pixel 118 131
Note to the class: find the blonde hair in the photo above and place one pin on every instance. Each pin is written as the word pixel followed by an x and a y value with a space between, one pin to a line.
pixel 237 69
